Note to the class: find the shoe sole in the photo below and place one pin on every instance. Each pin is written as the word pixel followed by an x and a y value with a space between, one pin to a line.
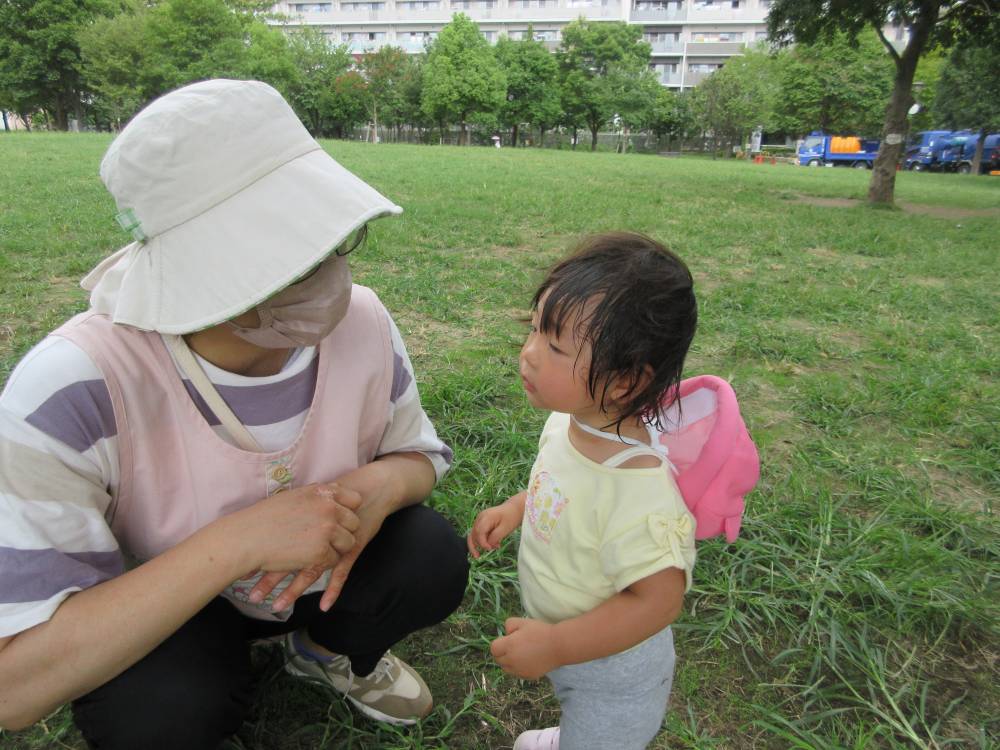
pixel 371 713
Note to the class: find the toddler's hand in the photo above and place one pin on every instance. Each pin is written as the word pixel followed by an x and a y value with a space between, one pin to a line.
pixel 493 525
pixel 528 650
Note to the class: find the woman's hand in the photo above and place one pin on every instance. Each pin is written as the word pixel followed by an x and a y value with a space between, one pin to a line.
pixel 494 524
pixel 528 650
pixel 306 529
pixel 374 491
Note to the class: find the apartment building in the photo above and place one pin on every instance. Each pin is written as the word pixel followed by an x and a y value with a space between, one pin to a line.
pixel 689 38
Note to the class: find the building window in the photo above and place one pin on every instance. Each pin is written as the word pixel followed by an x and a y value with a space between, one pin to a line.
pixel 717 36
pixel 704 67
pixel 736 4
pixel 309 7
pixel 344 5
pixel 489 36
pixel 364 36
pixel 540 35
pixel 662 37
pixel 418 5
pixel 670 6
pixel 533 3
pixel 474 4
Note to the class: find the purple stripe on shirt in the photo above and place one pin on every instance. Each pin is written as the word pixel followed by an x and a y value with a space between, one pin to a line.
pixel 32 575
pixel 79 414
pixel 265 404
pixel 400 378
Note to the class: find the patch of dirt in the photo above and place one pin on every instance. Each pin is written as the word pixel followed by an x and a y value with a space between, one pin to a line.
pixel 426 337
pixel 815 200
pixel 925 209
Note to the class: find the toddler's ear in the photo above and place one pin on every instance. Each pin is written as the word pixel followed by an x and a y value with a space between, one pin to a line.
pixel 624 387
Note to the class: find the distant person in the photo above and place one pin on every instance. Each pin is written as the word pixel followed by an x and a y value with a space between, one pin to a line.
pixel 496 141
pixel 184 464
pixel 607 544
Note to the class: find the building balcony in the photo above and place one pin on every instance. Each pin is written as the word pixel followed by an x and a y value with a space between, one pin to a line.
pixel 350 14
pixel 441 13
pixel 697 49
pixel 667 48
pixel 362 47
pixel 649 13
pixel 725 15
pixel 517 13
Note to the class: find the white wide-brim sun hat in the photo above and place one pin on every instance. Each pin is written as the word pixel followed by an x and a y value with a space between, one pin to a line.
pixel 230 200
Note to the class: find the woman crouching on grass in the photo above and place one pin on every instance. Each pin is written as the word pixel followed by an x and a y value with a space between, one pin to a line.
pixel 241 424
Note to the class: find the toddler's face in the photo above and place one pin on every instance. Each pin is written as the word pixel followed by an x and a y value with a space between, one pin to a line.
pixel 554 369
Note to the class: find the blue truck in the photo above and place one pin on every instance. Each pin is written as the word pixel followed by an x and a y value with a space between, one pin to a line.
pixel 923 149
pixel 819 149
pixel 962 154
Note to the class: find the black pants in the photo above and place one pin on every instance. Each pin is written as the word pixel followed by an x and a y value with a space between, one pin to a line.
pixel 194 689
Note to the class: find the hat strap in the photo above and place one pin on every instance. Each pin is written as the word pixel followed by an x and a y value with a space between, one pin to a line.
pixel 230 422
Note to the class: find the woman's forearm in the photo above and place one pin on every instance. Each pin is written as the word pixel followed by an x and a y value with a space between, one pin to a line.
pixel 97 633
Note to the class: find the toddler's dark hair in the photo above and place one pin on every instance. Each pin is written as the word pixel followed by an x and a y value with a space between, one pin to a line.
pixel 641 319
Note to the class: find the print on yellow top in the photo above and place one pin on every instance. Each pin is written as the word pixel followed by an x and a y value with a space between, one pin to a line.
pixel 544 505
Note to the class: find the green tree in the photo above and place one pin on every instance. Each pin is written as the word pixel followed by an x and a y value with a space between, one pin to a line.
pixel 930 23
pixel 737 99
pixel 597 60
pixel 532 84
pixel 319 63
pixel 836 85
pixel 190 40
pixel 461 75
pixel 671 115
pixel 40 55
pixel 347 104
pixel 268 57
pixel 384 71
pixel 968 93
pixel 113 55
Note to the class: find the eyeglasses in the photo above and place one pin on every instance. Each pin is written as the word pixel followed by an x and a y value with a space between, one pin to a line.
pixel 351 244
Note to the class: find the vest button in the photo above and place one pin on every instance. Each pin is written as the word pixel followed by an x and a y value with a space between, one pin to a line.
pixel 280 474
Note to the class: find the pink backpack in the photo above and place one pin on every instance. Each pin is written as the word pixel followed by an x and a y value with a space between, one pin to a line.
pixel 715 460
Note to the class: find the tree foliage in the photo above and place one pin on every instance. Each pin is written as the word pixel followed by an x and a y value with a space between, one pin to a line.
pixel 385 71
pixel 461 75
pixel 968 93
pixel 738 98
pixel 40 55
pixel 596 61
pixel 834 85
pixel 532 84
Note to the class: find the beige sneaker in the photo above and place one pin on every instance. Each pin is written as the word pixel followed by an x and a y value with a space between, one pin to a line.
pixel 393 692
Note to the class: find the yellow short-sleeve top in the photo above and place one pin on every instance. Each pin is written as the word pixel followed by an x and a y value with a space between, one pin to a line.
pixel 590 531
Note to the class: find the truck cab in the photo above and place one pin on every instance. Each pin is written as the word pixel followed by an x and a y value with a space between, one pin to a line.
pixel 923 149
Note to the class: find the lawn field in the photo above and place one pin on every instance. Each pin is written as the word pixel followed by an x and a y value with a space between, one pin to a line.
pixel 859 608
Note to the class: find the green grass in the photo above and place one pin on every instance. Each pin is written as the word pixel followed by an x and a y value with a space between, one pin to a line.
pixel 859 609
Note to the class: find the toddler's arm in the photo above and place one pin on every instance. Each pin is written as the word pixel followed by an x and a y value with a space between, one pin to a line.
pixel 493 524
pixel 533 648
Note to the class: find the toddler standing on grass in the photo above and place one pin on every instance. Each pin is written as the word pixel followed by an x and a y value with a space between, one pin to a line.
pixel 607 544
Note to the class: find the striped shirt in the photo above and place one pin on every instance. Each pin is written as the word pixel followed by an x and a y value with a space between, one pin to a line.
pixel 59 461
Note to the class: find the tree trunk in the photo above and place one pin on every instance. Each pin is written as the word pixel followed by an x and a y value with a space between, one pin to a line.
pixel 977 160
pixel 574 137
pixel 462 133
pixel 593 137
pixel 883 182
pixel 513 136
pixel 541 136
pixel 6 125
pixel 24 118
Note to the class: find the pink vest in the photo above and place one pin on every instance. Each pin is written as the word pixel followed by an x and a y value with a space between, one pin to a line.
pixel 177 474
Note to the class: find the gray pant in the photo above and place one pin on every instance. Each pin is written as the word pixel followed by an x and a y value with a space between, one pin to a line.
pixel 618 702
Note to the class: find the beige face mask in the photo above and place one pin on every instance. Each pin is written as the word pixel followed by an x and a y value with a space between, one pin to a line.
pixel 304 313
